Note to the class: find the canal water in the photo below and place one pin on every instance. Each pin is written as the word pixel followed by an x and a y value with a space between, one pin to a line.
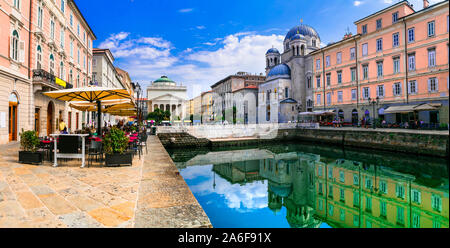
pixel 316 186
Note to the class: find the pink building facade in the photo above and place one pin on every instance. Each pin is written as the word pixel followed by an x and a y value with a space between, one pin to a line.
pixel 45 45
pixel 399 56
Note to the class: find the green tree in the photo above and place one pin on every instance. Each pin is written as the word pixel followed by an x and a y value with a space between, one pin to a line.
pixel 159 115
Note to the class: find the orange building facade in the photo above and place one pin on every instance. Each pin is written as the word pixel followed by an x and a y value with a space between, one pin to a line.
pixel 399 56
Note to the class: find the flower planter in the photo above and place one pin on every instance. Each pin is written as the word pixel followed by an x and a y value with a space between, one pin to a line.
pixel 30 157
pixel 117 159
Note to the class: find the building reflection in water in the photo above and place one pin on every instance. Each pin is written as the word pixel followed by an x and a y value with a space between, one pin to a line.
pixel 340 192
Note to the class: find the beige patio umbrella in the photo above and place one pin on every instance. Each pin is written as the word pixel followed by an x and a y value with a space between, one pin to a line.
pixel 90 94
pixel 115 104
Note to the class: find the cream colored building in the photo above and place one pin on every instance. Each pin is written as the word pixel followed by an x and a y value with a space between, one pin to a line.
pixel 165 94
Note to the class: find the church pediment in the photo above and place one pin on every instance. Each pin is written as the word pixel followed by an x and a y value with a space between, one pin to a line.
pixel 166 97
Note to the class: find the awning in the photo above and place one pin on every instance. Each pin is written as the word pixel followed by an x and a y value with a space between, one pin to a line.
pixel 306 113
pixel 428 107
pixel 323 112
pixel 400 109
pixel 412 108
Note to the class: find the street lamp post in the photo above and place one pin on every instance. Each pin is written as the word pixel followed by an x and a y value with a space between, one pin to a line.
pixel 373 102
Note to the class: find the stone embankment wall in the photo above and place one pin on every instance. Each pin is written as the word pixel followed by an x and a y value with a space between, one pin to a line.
pixel 415 143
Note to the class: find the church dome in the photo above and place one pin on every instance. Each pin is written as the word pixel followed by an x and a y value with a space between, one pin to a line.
pixel 272 50
pixel 164 80
pixel 302 29
pixel 297 37
pixel 281 70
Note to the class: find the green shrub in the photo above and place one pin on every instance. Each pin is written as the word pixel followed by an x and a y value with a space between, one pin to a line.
pixel 443 126
pixel 29 141
pixel 115 141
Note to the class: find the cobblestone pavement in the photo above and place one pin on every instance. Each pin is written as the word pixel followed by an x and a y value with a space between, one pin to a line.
pixel 70 196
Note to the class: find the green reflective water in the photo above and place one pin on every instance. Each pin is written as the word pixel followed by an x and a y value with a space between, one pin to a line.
pixel 307 185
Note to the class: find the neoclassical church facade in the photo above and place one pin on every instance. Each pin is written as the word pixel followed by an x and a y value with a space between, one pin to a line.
pixel 288 88
pixel 165 94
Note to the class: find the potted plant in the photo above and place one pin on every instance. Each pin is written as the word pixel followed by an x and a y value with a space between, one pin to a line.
pixel 115 144
pixel 29 143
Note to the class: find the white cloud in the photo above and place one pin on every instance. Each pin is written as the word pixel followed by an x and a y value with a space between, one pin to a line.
pixel 387 1
pixel 147 58
pixel 201 27
pixel 357 3
pixel 185 10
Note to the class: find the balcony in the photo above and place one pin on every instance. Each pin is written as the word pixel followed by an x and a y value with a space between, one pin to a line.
pixel 45 81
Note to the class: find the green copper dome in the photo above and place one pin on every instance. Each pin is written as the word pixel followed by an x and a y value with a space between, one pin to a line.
pixel 164 79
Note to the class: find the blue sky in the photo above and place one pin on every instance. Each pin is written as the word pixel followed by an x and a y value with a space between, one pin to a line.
pixel 199 42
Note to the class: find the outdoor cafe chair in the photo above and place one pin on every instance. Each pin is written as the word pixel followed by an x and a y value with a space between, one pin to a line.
pixel 95 150
pixel 143 140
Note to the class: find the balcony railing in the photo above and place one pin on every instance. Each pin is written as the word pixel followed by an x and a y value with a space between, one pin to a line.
pixel 47 79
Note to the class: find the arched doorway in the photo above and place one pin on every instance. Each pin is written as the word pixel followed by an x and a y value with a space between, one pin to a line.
pixel 341 114
pixel 355 117
pixel 50 115
pixel 13 113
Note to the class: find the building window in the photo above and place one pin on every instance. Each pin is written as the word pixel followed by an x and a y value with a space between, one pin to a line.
pixel 330 191
pixel 364 49
pixel 416 220
pixel 368 183
pixel 383 187
pixel 339 58
pixel 379 44
pixel 339 77
pixel 318 81
pixel 327 61
pixel 313 43
pixel 286 92
pixel 71 20
pixel 380 91
pixel 342 195
pixel 431 57
pixel 400 191
pixel 353 74
pixel 396 65
pixel 411 35
pixel 380 68
pixel 308 82
pixel 78 29
pixel 320 171
pixel 320 204
pixel 71 48
pixel 61 38
pixel 330 210
pixel 40 16
pixel 366 93
pixel 365 71
pixel 355 220
pixel 412 87
pixel 328 79
pixel 52 28
pixel 383 211
pixel 342 214
pixel 330 170
pixel 356 199
pixel 416 196
pixel 394 17
pixel 61 70
pixel 379 24
pixel 397 89
pixel 364 29
pixel 38 57
pixel 328 98
pixel 368 204
pixel 340 98
pixel 400 215
pixel 411 62
pixel 52 64
pixel 341 173
pixel 436 202
pixel 431 29
pixel 318 99
pixel 432 84
pixel 352 53
pixel 62 5
pixel 353 94
pixel 395 41
pixel 320 188
pixel 318 64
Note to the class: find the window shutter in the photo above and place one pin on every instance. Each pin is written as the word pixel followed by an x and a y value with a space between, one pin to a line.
pixel 415 87
pixel 384 93
pixel 437 84
pixel 400 85
pixel 22 51
pixel 393 90
pixel 409 87
pixel 429 85
pixel 378 93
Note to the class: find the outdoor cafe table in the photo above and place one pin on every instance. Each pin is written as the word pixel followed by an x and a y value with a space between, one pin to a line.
pixel 69 155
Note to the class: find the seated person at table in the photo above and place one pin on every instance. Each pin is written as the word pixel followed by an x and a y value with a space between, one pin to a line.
pixel 64 131
pixel 62 126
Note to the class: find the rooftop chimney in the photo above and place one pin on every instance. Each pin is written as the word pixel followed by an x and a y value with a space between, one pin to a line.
pixel 425 4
